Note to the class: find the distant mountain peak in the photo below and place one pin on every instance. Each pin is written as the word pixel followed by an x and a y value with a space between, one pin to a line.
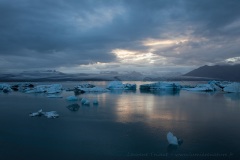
pixel 222 72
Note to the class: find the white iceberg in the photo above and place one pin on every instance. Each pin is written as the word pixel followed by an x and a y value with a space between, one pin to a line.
pixel 50 89
pixel 119 85
pixel 72 98
pixel 89 88
pixel 167 86
pixel 38 113
pixel 51 114
pixel 232 87
pixel 202 88
pixel 172 139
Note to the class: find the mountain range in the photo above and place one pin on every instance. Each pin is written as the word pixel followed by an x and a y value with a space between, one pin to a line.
pixel 204 73
pixel 218 72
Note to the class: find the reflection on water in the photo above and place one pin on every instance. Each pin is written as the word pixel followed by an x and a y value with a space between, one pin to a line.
pixel 232 96
pixel 161 92
pixel 123 123
pixel 73 107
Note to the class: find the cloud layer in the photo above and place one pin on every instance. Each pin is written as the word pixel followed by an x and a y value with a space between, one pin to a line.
pixel 95 35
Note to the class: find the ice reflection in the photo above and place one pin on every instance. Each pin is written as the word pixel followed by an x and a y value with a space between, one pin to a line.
pixel 161 93
pixel 73 107
pixel 121 91
pixel 232 96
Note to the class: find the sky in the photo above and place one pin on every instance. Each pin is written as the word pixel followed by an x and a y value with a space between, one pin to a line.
pixel 91 36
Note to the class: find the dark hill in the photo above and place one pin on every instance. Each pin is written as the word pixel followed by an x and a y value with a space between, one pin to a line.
pixel 223 72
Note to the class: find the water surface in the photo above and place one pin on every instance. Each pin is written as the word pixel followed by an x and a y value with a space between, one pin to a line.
pixel 124 125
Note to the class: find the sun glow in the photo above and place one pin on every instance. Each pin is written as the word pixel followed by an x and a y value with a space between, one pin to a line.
pixel 127 56
pixel 155 42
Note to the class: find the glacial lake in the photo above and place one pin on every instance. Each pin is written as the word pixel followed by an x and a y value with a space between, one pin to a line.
pixel 124 125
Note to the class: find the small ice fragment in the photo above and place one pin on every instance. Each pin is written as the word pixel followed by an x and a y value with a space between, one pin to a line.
pixel 72 98
pixel 51 114
pixel 172 139
pixel 38 113
pixel 83 100
pixel 87 102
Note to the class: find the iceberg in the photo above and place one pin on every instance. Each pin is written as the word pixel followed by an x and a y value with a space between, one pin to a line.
pixel 50 89
pixel 168 86
pixel 232 87
pixel 119 85
pixel 202 88
pixel 5 87
pixel 38 113
pixel 72 98
pixel 51 114
pixel 82 88
pixel 85 101
pixel 172 139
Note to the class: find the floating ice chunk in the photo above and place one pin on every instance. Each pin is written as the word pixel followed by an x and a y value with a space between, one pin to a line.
pixel 202 88
pixel 5 87
pixel 50 89
pixel 72 98
pixel 54 96
pixel 51 114
pixel 83 100
pixel 119 85
pixel 87 102
pixel 232 87
pixel 95 102
pixel 54 88
pixel 115 85
pixel 89 88
pixel 172 139
pixel 38 113
pixel 169 86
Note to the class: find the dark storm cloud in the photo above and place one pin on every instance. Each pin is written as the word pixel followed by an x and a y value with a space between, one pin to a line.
pixel 50 34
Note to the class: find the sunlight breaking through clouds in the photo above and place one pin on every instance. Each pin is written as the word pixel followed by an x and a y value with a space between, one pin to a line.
pixel 233 60
pixel 127 56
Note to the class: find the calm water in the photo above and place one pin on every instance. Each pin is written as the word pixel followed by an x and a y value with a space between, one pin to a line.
pixel 125 125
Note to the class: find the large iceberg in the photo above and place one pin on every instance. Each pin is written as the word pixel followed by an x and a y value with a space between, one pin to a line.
pixel 50 89
pixel 119 85
pixel 168 86
pixel 89 88
pixel 51 114
pixel 232 87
